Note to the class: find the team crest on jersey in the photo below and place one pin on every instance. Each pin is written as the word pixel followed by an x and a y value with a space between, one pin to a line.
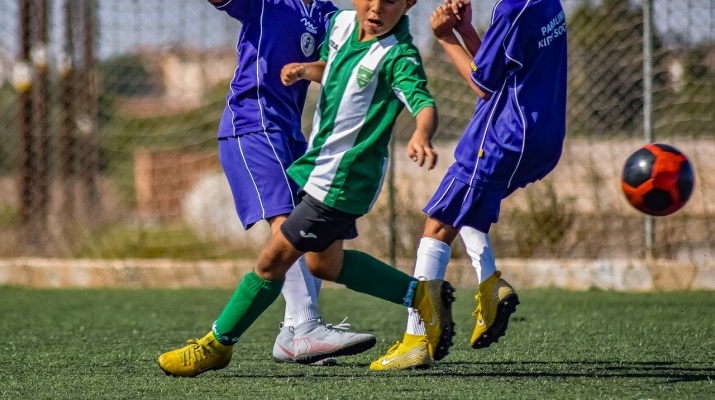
pixel 307 44
pixel 364 76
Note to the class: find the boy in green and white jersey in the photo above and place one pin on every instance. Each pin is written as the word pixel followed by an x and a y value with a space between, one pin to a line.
pixel 365 86
pixel 369 70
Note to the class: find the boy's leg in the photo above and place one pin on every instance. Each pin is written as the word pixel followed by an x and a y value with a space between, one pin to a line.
pixel 256 292
pixel 459 205
pixel 432 299
pixel 300 294
pixel 300 291
pixel 254 165
pixel 314 340
pixel 318 228
pixel 479 249
pixel 433 255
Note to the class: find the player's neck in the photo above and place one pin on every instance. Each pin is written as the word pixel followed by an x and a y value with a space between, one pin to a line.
pixel 307 2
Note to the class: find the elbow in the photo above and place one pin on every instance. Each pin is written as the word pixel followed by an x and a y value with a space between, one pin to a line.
pixel 482 94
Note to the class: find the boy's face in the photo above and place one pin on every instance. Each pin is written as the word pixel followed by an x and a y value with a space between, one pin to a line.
pixel 377 17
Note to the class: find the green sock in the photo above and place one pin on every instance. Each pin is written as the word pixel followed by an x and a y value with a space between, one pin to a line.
pixel 253 296
pixel 366 274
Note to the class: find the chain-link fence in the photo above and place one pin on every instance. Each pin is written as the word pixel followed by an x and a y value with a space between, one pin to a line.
pixel 110 112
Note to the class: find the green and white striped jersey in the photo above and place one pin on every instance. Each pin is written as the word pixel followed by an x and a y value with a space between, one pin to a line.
pixel 365 87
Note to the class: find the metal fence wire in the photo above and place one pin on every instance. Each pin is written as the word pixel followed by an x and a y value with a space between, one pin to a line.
pixel 110 111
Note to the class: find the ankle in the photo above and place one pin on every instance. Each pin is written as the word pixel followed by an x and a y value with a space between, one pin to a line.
pixel 411 340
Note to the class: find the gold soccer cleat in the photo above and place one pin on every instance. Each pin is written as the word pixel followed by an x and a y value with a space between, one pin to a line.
pixel 496 301
pixel 412 353
pixel 433 300
pixel 199 356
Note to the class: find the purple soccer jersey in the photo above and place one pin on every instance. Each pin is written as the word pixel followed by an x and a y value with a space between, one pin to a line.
pixel 274 33
pixel 260 131
pixel 516 137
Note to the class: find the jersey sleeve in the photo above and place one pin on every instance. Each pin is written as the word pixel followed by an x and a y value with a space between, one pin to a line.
pixel 325 47
pixel 242 10
pixel 500 55
pixel 410 82
pixel 329 10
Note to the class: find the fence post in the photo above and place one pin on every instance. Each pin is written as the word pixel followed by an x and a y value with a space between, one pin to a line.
pixel 40 124
pixel 648 110
pixel 89 161
pixel 67 114
pixel 22 80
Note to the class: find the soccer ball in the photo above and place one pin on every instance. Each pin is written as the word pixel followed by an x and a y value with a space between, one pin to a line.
pixel 658 179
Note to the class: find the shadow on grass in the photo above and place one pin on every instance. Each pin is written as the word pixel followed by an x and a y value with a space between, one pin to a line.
pixel 671 372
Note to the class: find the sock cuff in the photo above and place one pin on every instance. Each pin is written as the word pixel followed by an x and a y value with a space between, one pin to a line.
pixel 255 282
pixel 305 315
pixel 410 293
pixel 435 247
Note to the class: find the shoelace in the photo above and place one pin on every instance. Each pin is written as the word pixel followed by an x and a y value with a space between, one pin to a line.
pixel 479 307
pixel 197 349
pixel 342 325
pixel 392 348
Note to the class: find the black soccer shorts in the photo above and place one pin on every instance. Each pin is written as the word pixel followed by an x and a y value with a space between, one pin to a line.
pixel 313 227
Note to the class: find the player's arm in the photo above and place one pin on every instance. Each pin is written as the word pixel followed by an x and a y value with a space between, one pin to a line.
pixel 462 10
pixel 242 10
pixel 419 148
pixel 293 72
pixel 443 21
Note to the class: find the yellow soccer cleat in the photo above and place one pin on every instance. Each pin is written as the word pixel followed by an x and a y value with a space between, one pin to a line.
pixel 412 353
pixel 199 356
pixel 496 301
pixel 433 300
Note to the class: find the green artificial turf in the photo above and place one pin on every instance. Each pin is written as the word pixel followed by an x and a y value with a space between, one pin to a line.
pixel 97 344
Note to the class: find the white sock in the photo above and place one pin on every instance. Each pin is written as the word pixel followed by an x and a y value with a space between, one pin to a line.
pixel 432 259
pixel 479 248
pixel 300 291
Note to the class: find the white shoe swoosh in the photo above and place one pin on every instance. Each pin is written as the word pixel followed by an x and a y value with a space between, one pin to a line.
pixel 480 321
pixel 388 360
pixel 433 322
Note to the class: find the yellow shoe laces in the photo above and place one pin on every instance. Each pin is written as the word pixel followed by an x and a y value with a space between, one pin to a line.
pixel 393 348
pixel 477 313
pixel 196 350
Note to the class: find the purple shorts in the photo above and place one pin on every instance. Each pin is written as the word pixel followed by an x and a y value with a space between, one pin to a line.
pixel 458 204
pixel 255 165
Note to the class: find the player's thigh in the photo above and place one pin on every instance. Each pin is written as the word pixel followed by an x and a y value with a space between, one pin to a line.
pixel 313 226
pixel 255 166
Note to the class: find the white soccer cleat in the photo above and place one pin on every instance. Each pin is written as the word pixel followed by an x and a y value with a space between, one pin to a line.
pixel 314 340
pixel 283 348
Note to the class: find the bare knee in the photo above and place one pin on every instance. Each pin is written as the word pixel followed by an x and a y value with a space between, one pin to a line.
pixel 440 231
pixel 276 258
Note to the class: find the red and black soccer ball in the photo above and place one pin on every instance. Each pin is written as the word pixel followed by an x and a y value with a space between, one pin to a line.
pixel 658 179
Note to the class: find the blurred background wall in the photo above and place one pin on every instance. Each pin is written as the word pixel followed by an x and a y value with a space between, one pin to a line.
pixel 109 112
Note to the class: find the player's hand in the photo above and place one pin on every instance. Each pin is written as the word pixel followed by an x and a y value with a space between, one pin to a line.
pixel 443 22
pixel 462 10
pixel 292 73
pixel 420 150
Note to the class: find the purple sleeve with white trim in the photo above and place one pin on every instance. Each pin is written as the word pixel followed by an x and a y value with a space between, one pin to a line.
pixel 242 10
pixel 500 54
